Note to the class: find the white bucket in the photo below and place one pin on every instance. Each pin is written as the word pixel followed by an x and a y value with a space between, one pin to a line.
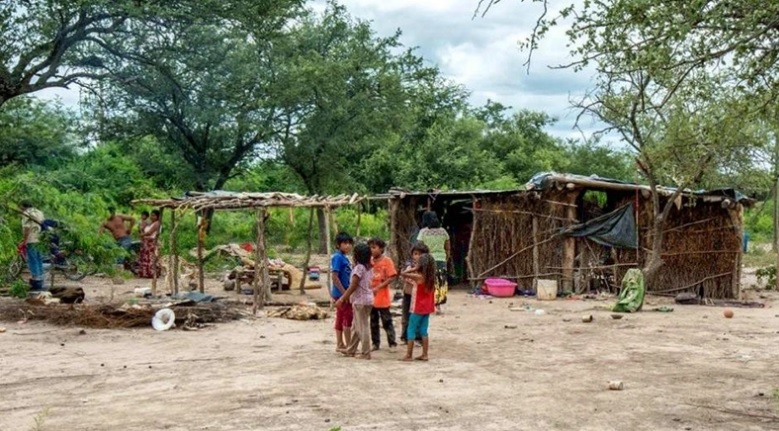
pixel 546 290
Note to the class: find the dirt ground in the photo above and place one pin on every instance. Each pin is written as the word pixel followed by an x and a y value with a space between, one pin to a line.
pixel 491 368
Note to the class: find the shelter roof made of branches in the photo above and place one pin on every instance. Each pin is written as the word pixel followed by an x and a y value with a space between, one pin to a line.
pixel 221 200
pixel 544 180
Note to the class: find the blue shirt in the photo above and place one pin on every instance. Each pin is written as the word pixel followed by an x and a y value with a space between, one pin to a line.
pixel 340 264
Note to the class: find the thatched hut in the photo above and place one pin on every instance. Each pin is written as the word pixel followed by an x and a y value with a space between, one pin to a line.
pixel 584 232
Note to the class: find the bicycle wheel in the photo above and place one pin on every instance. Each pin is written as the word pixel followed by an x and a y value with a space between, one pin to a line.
pixel 77 267
pixel 14 270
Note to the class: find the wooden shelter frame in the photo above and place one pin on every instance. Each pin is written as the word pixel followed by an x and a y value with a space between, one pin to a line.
pixel 553 207
pixel 201 202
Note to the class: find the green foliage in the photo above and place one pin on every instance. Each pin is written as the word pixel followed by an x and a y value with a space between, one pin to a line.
pixel 36 133
pixel 348 91
pixel 768 275
pixel 759 223
pixel 80 213
pixel 267 176
pixel 449 156
pixel 595 158
pixel 19 289
pixel 105 172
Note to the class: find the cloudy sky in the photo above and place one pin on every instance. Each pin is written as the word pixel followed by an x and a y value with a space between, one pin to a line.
pixel 480 53
pixel 483 53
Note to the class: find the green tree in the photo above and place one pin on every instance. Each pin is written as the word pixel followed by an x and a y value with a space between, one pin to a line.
pixel 672 81
pixel 205 94
pixel 593 157
pixel 36 133
pixel 343 91
pixel 449 156
pixel 44 41
pixel 520 141
pixel 678 135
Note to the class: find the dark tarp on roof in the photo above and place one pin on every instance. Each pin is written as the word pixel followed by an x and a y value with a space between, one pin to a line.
pixel 616 229
pixel 540 181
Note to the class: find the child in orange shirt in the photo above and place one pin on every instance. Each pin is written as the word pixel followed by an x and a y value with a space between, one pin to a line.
pixel 384 273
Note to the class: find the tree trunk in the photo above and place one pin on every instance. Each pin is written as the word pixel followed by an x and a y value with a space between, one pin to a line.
pixel 324 247
pixel 775 242
pixel 655 261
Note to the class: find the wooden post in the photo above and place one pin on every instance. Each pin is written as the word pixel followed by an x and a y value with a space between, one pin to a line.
pixel 308 252
pixel 359 215
pixel 395 242
pixel 739 225
pixel 201 237
pixel 154 272
pixel 257 260
pixel 569 251
pixel 536 254
pixel 174 254
pixel 262 259
pixel 327 227
pixel 332 220
pixel 469 257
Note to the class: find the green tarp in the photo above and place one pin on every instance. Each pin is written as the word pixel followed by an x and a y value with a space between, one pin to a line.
pixel 631 298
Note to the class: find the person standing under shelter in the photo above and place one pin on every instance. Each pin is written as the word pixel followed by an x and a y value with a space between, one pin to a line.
pixel 437 240
pixel 148 258
pixel 120 227
pixel 32 219
pixel 143 223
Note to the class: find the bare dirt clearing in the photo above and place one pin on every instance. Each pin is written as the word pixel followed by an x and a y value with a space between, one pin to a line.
pixel 690 369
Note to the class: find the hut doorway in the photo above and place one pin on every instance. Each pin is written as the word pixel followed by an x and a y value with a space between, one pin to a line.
pixel 457 219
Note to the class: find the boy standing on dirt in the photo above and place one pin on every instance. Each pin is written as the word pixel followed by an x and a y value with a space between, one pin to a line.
pixel 341 274
pixel 384 273
pixel 31 229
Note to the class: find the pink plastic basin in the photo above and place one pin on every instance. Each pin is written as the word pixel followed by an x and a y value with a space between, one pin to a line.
pixel 500 287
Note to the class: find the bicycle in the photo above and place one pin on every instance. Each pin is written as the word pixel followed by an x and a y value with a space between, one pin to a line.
pixel 73 265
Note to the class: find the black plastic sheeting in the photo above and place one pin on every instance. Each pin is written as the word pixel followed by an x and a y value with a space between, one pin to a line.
pixel 615 229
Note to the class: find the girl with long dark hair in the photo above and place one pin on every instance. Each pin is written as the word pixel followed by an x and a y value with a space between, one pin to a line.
pixel 437 240
pixel 360 295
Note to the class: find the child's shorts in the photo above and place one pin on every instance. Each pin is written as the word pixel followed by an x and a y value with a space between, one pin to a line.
pixel 417 326
pixel 344 316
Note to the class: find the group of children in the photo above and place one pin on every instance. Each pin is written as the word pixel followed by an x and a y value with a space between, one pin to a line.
pixel 361 289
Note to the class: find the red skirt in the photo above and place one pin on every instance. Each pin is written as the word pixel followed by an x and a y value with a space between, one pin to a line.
pixel 147 258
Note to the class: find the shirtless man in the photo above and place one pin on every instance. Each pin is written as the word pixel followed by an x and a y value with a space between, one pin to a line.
pixel 121 231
